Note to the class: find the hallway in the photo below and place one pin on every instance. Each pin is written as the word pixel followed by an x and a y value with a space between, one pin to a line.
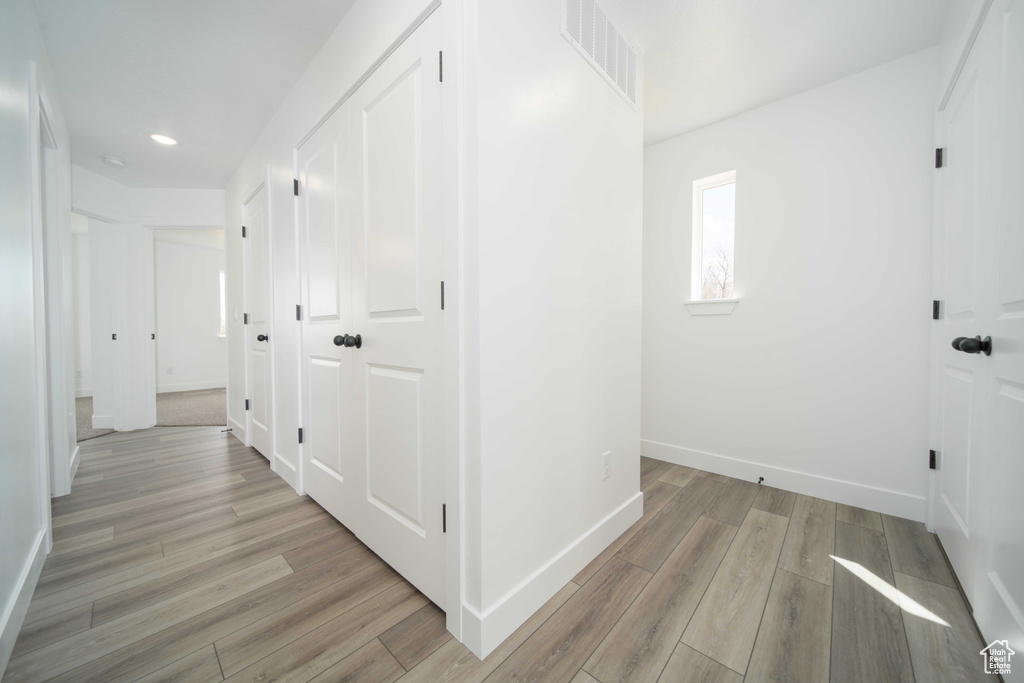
pixel 179 555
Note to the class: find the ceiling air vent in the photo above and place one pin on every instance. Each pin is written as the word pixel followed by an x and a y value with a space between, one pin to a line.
pixel 588 29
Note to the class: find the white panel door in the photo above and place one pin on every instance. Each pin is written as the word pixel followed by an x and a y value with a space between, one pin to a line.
pixel 324 217
pixel 257 331
pixel 978 505
pixel 396 289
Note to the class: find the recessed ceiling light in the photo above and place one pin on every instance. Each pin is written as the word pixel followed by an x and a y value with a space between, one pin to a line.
pixel 163 139
pixel 116 162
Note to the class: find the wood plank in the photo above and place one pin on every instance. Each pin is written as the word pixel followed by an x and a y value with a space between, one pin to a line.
pixel 939 652
pixel 319 650
pixel 134 555
pixel 793 642
pixel 69 653
pixel 689 666
pixel 199 667
pixel 724 626
pixel 560 647
pixel 264 503
pixel 810 540
pixel 651 469
pixel 642 641
pixel 583 677
pixel 58 627
pixel 775 501
pixel 43 606
pixel 868 639
pixel 656 540
pixel 82 541
pixel 257 524
pixel 656 496
pixel 454 662
pixel 165 587
pixel 914 551
pixel 322 548
pixel 731 504
pixel 859 517
pixel 720 478
pixel 163 648
pixel 372 663
pixel 678 475
pixel 417 636
pixel 251 643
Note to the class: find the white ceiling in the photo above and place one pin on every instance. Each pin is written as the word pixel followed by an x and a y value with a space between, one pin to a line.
pixel 209 73
pixel 707 60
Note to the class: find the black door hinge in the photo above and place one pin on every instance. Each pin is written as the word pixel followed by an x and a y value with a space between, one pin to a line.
pixel 440 66
pixel 936 309
pixel 298 311
pixel 152 336
pixel 931 460
pixel 245 318
pixel 114 336
pixel 442 295
pixel 938 157
pixel 247 404
pixel 300 434
pixel 243 232
pixel 444 518
pixel 295 186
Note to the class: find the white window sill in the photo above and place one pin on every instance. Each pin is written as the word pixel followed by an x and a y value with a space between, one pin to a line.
pixel 712 306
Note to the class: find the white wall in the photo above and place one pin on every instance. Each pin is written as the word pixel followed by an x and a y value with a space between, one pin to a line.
pixel 818 380
pixel 190 354
pixel 81 311
pixel 24 499
pixel 122 286
pixel 560 164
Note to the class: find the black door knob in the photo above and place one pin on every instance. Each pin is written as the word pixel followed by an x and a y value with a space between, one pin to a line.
pixel 263 337
pixel 348 340
pixel 973 345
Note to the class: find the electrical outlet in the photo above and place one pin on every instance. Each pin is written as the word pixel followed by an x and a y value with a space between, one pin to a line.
pixel 606 459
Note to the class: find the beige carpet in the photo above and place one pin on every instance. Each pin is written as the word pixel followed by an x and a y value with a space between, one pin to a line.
pixel 178 409
pixel 208 407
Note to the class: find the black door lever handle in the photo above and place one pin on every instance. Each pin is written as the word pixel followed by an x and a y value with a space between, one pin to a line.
pixel 973 345
pixel 263 337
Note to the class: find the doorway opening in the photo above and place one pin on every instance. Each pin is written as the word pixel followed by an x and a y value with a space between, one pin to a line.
pixel 190 329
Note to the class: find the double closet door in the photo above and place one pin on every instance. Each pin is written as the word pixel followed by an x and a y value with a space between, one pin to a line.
pixel 370 231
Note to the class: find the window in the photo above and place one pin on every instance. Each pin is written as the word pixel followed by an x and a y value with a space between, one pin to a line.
pixel 714 238
pixel 223 307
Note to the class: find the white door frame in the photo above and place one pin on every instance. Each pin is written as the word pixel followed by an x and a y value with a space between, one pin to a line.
pixel 454 157
pixel 265 184
pixel 49 244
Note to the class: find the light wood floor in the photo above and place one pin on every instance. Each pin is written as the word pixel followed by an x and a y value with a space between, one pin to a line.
pixel 179 556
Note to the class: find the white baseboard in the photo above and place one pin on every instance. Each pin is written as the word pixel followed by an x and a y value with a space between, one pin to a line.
pixel 190 386
pixel 237 429
pixel 76 460
pixel 482 632
pixel 102 421
pixel 17 603
pixel 287 471
pixel 847 492
pixel 83 392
